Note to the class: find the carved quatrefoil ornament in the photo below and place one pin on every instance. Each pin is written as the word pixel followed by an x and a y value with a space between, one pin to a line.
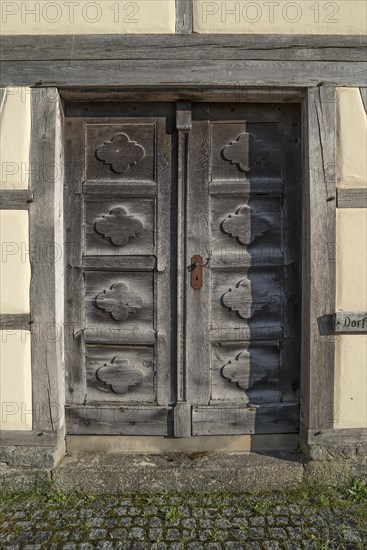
pixel 119 226
pixel 238 370
pixel 119 376
pixel 119 301
pixel 238 299
pixel 120 153
pixel 237 152
pixel 245 226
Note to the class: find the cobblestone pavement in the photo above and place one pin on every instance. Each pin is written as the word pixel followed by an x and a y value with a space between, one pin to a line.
pixel 312 519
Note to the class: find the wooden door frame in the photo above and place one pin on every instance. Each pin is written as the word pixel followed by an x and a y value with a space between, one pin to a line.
pixel 318 271
pixel 302 69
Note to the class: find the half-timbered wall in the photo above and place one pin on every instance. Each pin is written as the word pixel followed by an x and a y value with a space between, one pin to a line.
pixel 347 253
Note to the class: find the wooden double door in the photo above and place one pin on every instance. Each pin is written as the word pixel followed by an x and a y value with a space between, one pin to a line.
pixel 182 247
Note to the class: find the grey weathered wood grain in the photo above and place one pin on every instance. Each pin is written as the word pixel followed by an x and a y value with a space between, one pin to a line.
pixel 242 332
pixel 350 322
pixel 111 189
pixel 341 436
pixel 120 374
pixel 229 214
pixel 291 239
pixel 263 257
pixel 318 276
pixel 198 243
pixel 120 263
pixel 74 280
pixel 247 303
pixel 119 420
pixel 183 125
pixel 181 72
pixel 46 245
pixel 163 291
pixel 15 321
pixel 234 94
pixel 182 412
pixel 119 226
pixel 127 299
pixel 103 303
pixel 25 438
pixel 184 16
pixel 15 199
pixel 283 47
pixel 252 370
pixel 352 198
pixel 238 419
pixel 120 152
pixel 268 185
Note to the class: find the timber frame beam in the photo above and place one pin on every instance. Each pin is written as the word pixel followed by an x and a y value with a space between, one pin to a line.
pixel 183 59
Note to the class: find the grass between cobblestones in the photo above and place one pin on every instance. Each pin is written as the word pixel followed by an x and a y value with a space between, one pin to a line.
pixel 309 517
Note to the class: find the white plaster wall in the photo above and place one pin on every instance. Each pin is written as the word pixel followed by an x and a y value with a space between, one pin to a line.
pixel 351 291
pixel 15 130
pixel 351 389
pixel 351 268
pixel 280 17
pixel 86 17
pixel 15 270
pixel 15 380
pixel 15 273
pixel 352 139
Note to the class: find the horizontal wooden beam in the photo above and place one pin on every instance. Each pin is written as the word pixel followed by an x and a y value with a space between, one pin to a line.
pixel 15 321
pixel 15 199
pixel 119 420
pixel 226 419
pixel 110 95
pixel 120 263
pixel 343 436
pixel 113 189
pixel 170 72
pixel 352 198
pixel 206 47
pixel 27 438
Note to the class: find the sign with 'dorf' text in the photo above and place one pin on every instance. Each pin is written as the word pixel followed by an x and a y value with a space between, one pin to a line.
pixel 350 322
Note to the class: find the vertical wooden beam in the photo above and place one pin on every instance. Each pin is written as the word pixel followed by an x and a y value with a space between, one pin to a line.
pixel 46 254
pixel 319 262
pixel 182 412
pixel 75 380
pixel 184 16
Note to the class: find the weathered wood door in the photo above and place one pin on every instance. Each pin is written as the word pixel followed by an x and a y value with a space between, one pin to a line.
pixel 182 257
pixel 243 218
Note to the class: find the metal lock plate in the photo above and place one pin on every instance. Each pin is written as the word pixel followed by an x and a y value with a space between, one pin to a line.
pixel 196 272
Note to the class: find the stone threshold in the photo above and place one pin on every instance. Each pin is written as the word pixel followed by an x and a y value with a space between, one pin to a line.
pixel 116 473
